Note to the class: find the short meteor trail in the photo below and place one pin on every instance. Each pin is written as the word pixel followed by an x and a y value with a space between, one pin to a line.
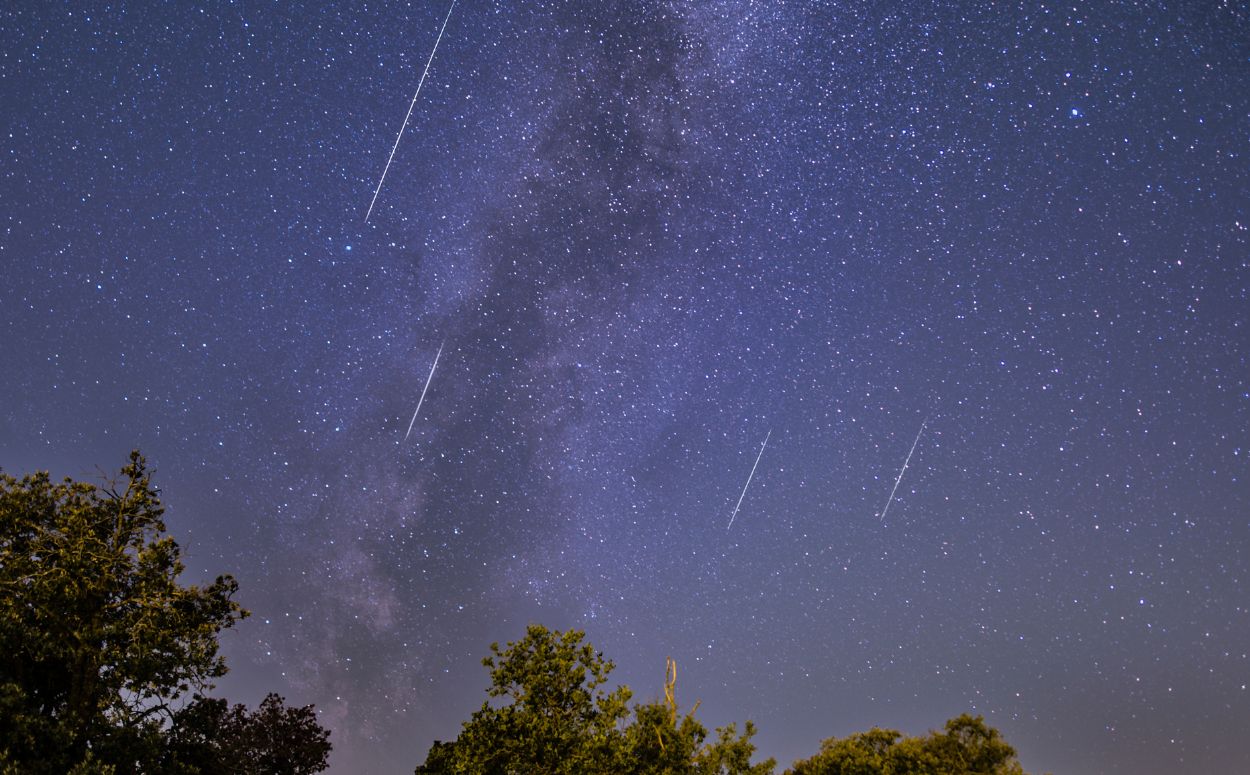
pixel 427 387
pixel 904 468
pixel 749 477
pixel 404 126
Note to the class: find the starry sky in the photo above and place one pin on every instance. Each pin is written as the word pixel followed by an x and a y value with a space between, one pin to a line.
pixel 649 235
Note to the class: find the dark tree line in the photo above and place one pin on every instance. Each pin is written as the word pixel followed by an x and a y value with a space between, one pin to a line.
pixel 558 718
pixel 106 659
pixel 105 656
pixel 548 711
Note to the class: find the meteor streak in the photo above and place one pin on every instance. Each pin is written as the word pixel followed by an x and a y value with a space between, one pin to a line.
pixel 904 468
pixel 427 387
pixel 749 477
pixel 404 126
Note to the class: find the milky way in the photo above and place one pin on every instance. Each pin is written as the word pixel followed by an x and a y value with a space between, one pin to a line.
pixel 649 234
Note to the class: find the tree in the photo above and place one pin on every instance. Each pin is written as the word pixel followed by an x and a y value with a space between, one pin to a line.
pixel 659 742
pixel 967 747
pixel 560 719
pixel 731 754
pixel 978 748
pixel 211 738
pixel 97 637
pixel 864 753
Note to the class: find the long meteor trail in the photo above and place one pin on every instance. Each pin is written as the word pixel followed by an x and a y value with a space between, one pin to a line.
pixel 904 468
pixel 749 477
pixel 427 387
pixel 404 126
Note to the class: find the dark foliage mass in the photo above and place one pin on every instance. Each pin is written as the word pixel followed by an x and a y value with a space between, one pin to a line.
pixel 101 646
pixel 967 746
pixel 209 736
pixel 104 658
pixel 558 718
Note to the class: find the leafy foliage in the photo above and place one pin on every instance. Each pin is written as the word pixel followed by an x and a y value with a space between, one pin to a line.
pixel 99 642
pixel 208 736
pixel 967 747
pixel 657 742
pixel 558 718
pixel 731 754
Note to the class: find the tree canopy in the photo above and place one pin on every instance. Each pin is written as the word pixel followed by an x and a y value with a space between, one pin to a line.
pixel 209 736
pixel 558 717
pixel 967 746
pixel 99 642
pixel 105 658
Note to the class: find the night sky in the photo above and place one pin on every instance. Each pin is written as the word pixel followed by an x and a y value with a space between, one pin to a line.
pixel 648 235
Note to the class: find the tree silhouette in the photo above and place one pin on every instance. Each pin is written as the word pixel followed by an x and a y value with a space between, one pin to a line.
pixel 100 643
pixel 558 718
pixel 208 736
